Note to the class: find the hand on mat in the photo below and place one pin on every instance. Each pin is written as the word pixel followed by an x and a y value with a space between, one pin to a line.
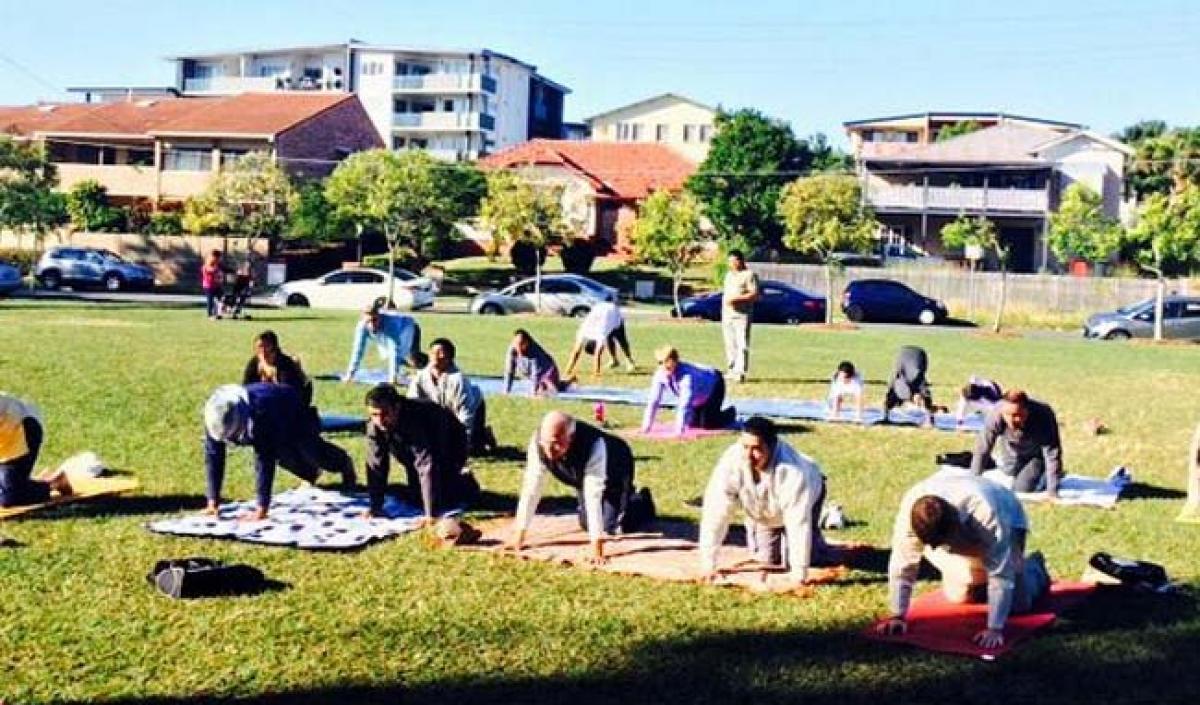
pixel 989 639
pixel 892 627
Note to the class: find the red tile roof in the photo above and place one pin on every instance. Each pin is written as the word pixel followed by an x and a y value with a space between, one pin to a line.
pixel 619 170
pixel 245 114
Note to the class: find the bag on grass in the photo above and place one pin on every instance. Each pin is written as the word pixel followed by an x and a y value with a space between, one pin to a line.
pixel 962 459
pixel 184 578
pixel 1142 575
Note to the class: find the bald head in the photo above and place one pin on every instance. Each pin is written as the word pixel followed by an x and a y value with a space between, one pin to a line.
pixel 554 434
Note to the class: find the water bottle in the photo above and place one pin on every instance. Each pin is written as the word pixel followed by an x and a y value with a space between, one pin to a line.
pixel 598 412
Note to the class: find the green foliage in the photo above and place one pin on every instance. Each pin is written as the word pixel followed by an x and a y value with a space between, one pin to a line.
pixel 1165 162
pixel 312 217
pixel 517 210
pixel 166 223
pixel 249 196
pixel 24 260
pixel 958 129
pixel 1080 228
pixel 1166 238
pixel 824 214
pixel 89 210
pixel 1135 134
pixel 826 157
pixel 28 202
pixel 667 233
pixel 980 232
pixel 750 160
pixel 527 258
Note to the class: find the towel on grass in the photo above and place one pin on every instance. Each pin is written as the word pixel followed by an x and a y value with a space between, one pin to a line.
pixel 936 624
pixel 670 554
pixel 85 487
pixel 342 423
pixel 1075 490
pixel 307 517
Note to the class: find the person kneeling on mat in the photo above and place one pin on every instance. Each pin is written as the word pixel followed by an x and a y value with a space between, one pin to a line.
pixel 442 383
pixel 598 466
pixel 429 441
pixel 974 532
pixel 1030 448
pixel 526 358
pixel 397 336
pixel 21 436
pixel 780 491
pixel 700 392
pixel 846 382
pixel 909 383
pixel 271 419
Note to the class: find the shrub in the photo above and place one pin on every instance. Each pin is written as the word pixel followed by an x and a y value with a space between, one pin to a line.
pixel 24 260
pixel 165 223
pixel 577 257
pixel 526 257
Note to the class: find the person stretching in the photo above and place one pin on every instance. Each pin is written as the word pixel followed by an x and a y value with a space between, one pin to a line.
pixel 397 336
pixel 699 391
pixel 444 384
pixel 909 383
pixel 1030 447
pixel 978 393
pixel 21 434
pixel 526 358
pixel 602 328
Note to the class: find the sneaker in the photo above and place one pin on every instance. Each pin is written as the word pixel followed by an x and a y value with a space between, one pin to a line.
pixel 630 367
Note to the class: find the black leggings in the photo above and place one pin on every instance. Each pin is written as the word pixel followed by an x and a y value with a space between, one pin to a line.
pixel 16 487
pixel 618 337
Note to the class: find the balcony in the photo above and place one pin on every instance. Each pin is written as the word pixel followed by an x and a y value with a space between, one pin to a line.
pixel 442 121
pixel 954 199
pixel 445 83
pixel 119 180
pixel 230 85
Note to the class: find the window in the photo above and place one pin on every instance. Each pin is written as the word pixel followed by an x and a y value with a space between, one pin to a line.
pixel 448 106
pixel 338 278
pixel 140 157
pixel 1191 309
pixel 399 142
pixel 662 133
pixel 559 286
pixel 523 289
pixel 188 160
pixel 689 133
pixel 271 70
pixel 705 132
pixel 1173 309
pixel 889 136
pixel 404 68
pixel 365 278
pixel 635 132
pixel 229 157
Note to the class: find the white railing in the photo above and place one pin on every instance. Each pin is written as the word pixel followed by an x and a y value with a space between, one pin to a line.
pixel 954 198
pixel 436 121
pixel 229 84
pixel 438 82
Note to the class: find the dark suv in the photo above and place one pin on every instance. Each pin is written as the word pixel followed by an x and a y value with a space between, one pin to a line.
pixel 890 301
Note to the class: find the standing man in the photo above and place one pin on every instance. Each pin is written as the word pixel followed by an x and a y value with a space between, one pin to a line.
pixel 909 383
pixel 20 442
pixel 271 419
pixel 431 444
pixel 442 383
pixel 739 293
pixel 699 391
pixel 397 337
pixel 603 327
pixel 973 531
pixel 598 466
pixel 1030 448
pixel 779 490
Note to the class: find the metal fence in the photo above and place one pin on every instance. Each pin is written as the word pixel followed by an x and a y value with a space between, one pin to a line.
pixel 964 290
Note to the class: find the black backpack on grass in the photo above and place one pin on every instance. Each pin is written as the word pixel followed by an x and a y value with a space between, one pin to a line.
pixel 205 577
pixel 1139 575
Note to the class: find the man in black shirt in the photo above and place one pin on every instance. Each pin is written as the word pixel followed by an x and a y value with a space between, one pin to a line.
pixel 1031 451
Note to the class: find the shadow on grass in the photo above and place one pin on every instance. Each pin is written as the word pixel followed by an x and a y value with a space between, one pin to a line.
pixel 118 506
pixel 1140 490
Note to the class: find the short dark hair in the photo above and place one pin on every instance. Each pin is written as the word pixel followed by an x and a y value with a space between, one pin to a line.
pixel 383 396
pixel 846 367
pixel 1016 396
pixel 762 428
pixel 933 520
pixel 268 337
pixel 737 254
pixel 446 344
pixel 522 333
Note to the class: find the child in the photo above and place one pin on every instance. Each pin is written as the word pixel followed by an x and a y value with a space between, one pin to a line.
pixel 846 382
pixel 979 393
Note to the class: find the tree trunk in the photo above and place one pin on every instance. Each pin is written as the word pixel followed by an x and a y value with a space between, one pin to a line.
pixel 676 280
pixel 1003 298
pixel 537 279
pixel 391 240
pixel 1159 291
pixel 828 293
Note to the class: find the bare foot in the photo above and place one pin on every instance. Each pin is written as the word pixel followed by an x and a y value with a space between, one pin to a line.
pixel 59 483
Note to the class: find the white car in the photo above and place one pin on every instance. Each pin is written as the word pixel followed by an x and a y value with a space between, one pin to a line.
pixel 561 294
pixel 354 288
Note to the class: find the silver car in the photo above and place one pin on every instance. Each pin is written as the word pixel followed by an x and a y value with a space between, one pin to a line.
pixel 88 266
pixel 1181 320
pixel 561 294
pixel 10 278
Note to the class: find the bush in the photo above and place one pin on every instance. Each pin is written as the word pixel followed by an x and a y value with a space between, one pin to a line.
pixel 165 223
pixel 88 207
pixel 24 260
pixel 577 257
pixel 526 258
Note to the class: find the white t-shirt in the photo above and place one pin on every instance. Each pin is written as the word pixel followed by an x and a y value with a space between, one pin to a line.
pixel 600 322
pixel 841 387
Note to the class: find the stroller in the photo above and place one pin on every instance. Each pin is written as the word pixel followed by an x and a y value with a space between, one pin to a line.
pixel 236 287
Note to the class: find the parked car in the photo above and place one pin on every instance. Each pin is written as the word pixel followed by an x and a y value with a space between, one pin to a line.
pixel 778 303
pixel 561 294
pixel 355 288
pixel 89 266
pixel 890 301
pixel 856 259
pixel 10 278
pixel 1181 320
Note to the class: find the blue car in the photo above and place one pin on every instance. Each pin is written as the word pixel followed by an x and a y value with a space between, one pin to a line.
pixel 884 300
pixel 777 303
pixel 10 278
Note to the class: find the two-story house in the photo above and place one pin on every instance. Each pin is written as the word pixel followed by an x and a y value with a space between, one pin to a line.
pixel 457 104
pixel 1011 169
pixel 669 119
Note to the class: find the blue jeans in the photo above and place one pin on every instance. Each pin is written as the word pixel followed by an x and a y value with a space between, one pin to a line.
pixel 210 296
pixel 16 487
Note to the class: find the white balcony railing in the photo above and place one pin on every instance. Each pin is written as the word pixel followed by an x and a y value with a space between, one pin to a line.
pixel 918 197
pixel 436 121
pixel 230 84
pixel 439 83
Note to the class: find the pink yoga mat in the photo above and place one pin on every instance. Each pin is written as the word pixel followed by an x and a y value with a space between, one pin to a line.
pixel 934 624
pixel 662 431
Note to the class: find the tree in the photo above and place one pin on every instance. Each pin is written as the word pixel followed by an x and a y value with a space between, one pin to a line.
pixel 667 234
pixel 1136 133
pixel 28 202
pixel 1081 228
pixel 826 157
pixel 957 129
pixel 980 232
pixel 1167 239
pixel 401 194
pixel 1164 163
pixel 89 209
pixel 249 196
pixel 516 210
pixel 312 217
pixel 823 214
pixel 750 160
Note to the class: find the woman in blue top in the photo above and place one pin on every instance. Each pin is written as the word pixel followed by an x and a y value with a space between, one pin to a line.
pixel 700 392
pixel 397 336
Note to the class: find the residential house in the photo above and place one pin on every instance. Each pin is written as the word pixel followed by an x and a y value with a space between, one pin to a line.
pixel 669 119
pixel 457 104
pixel 603 182
pixel 167 150
pixel 1013 170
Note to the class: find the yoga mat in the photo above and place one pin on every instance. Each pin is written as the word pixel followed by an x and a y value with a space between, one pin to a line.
pixel 670 553
pixel 665 431
pixel 367 377
pixel 308 518
pixel 84 487
pixel 1073 490
pixel 342 423
pixel 935 624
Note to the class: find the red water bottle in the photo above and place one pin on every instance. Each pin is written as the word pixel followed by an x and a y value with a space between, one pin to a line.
pixel 598 412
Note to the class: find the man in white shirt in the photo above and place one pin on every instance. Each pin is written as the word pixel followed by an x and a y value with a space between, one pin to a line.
pixel 603 327
pixel 846 382
pixel 973 531
pixel 598 466
pixel 779 490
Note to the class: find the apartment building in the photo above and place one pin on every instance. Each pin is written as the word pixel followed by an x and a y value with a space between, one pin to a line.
pixel 457 104
pixel 1010 169
pixel 671 120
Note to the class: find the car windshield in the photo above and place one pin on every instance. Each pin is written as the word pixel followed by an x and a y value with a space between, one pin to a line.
pixel 112 257
pixel 1134 308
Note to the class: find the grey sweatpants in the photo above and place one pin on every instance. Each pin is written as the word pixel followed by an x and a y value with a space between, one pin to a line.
pixel 736 330
pixel 768 544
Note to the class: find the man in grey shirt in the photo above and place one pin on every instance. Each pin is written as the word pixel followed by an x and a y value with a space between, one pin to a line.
pixel 739 293
pixel 1030 449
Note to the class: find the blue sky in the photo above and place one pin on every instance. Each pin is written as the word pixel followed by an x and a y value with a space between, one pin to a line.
pixel 1105 63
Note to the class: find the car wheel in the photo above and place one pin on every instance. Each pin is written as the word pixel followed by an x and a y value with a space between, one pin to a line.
pixel 1117 335
pixel 927 317
pixel 855 313
pixel 579 311
pixel 298 300
pixel 51 279
pixel 491 310
pixel 112 282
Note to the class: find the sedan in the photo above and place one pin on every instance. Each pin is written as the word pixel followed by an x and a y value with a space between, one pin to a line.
pixel 355 288
pixel 890 301
pixel 10 278
pixel 777 303
pixel 1181 320
pixel 561 294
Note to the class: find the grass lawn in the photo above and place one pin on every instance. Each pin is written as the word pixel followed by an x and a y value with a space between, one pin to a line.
pixel 401 622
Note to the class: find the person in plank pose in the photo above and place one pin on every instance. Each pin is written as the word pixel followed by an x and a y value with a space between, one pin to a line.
pixel 444 384
pixel 699 391
pixel 978 393
pixel 526 358
pixel 909 383
pixel 396 336
pixel 846 384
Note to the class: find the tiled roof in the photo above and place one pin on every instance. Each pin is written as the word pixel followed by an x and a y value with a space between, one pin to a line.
pixel 620 170
pixel 244 114
pixel 1004 144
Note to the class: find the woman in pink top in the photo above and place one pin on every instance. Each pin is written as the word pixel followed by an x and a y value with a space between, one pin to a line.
pixel 210 281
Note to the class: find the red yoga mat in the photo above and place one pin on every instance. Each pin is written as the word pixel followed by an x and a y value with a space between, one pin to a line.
pixel 662 431
pixel 934 624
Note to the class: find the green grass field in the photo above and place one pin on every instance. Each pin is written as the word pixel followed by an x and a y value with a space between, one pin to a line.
pixel 402 622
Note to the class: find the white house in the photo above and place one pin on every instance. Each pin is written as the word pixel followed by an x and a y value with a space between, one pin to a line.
pixel 672 120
